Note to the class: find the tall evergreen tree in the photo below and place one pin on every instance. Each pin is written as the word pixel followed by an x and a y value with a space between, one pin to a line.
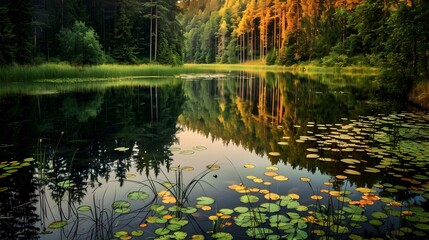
pixel 20 16
pixel 124 50
pixel 7 42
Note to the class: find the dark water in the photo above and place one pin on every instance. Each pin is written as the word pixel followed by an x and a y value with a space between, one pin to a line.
pixel 306 128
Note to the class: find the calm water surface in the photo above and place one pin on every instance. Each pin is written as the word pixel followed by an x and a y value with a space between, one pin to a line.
pixel 326 145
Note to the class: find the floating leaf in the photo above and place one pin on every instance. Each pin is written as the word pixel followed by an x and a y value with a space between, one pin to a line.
pixel 188 210
pixel 280 178
pixel 341 177
pixel 213 167
pixel 259 233
pixel 120 234
pixel 205 200
pixel 66 184
pixel 199 148
pixel 84 208
pixel 270 207
pixel 352 172
pixel 162 231
pixel 312 155
pixel 305 179
pixel 186 152
pixel 379 215
pixel 57 224
pixel 121 149
pixel 270 174
pixel 274 154
pixel 188 168
pixel 350 161
pixel 3 189
pixel 241 209
pixel 222 235
pixel 272 196
pixel 293 196
pixel 249 199
pixel 249 166
pixel 137 195
pixel 121 204
pixel 226 211
pixel 137 233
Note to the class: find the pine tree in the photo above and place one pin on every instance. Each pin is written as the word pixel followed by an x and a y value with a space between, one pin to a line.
pixel 7 42
pixel 20 17
pixel 124 48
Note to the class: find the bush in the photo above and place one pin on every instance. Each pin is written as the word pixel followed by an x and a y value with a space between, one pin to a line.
pixel 80 45
pixel 271 57
pixel 335 60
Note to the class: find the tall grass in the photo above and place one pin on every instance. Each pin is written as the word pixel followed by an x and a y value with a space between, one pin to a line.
pixel 66 71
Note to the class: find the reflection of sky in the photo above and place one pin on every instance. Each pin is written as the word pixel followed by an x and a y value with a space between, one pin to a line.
pixel 230 157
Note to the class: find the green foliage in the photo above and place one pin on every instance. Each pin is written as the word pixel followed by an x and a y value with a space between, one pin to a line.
pixel 335 60
pixel 80 45
pixel 124 47
pixel 271 57
pixel 20 16
pixel 7 43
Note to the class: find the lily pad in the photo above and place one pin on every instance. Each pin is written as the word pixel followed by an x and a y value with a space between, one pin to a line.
pixel 137 233
pixel 162 231
pixel 249 199
pixel 84 208
pixel 199 148
pixel 57 224
pixel 137 195
pixel 205 200
pixel 121 149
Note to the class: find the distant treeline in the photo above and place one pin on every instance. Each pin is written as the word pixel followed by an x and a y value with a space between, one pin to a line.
pixel 90 31
pixel 384 33
pixel 388 33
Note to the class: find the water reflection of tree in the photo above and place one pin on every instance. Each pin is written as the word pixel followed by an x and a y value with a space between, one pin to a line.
pixel 257 110
pixel 17 204
pixel 93 125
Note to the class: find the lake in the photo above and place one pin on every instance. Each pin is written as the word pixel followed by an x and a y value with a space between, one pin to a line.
pixel 216 155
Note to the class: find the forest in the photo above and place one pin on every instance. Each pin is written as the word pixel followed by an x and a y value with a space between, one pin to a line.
pixel 391 34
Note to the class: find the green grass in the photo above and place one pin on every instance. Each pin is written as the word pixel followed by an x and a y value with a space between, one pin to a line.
pixel 51 71
pixel 60 71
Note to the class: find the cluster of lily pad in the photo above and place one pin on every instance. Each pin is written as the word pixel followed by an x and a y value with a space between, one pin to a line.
pixel 9 168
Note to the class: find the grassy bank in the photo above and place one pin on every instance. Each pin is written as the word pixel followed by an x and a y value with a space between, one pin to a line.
pixel 311 69
pixel 52 71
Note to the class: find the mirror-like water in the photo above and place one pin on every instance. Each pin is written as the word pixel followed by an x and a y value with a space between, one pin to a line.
pixel 238 154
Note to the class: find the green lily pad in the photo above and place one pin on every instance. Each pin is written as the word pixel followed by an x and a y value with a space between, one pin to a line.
pixel 120 234
pixel 3 189
pixel 57 224
pixel 199 148
pixel 379 215
pixel 178 221
pixel 121 149
pixel 422 226
pixel 121 204
pixel 271 207
pixel 241 209
pixel 162 231
pixel 137 195
pixel 259 233
pixel 174 227
pixel 84 208
pixel 122 210
pixel 189 210
pixel 205 200
pixel 180 235
pixel 66 184
pixel 249 199
pixel 226 211
pixel 222 235
pixel 137 233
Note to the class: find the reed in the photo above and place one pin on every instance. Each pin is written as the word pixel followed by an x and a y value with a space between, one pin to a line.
pixel 52 71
